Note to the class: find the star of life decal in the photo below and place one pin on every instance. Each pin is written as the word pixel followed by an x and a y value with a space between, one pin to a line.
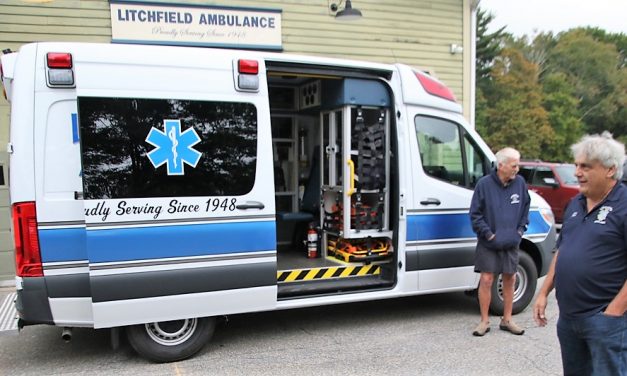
pixel 173 147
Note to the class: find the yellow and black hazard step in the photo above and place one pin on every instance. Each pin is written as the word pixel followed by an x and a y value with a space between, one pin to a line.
pixel 315 274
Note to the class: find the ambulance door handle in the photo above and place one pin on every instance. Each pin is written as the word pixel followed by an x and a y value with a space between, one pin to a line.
pixel 251 205
pixel 430 201
pixel 78 195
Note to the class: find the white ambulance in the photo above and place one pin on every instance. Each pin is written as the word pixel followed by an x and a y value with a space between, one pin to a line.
pixel 155 188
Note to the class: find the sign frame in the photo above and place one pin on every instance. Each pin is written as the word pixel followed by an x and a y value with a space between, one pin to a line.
pixel 176 24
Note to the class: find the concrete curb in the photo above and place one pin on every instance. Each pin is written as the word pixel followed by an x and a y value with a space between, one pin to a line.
pixel 7 283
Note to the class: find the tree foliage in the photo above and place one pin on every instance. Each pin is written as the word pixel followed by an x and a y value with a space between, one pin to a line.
pixel 489 46
pixel 516 116
pixel 542 95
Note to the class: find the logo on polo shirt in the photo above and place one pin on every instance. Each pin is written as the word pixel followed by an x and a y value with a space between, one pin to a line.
pixel 602 215
pixel 515 199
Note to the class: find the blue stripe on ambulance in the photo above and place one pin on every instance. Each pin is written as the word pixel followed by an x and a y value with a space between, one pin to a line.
pixel 141 243
pixel 457 225
pixel 65 244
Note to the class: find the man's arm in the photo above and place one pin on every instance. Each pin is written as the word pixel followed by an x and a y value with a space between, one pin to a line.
pixel 524 219
pixel 539 306
pixel 479 224
pixel 618 305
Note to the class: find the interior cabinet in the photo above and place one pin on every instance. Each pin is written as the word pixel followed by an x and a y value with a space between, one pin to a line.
pixel 355 172
pixel 284 143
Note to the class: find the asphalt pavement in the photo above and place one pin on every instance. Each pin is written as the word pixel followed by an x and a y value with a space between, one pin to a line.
pixel 424 335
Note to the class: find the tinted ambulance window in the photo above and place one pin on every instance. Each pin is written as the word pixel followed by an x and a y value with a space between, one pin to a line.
pixel 448 153
pixel 165 148
pixel 440 149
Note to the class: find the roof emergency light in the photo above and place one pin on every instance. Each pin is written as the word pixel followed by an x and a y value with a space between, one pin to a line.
pixel 434 87
pixel 248 77
pixel 59 69
pixel 59 60
pixel 248 66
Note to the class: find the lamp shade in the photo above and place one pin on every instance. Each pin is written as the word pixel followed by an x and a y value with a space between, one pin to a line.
pixel 348 13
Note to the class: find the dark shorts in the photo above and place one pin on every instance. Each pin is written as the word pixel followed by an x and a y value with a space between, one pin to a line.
pixel 488 260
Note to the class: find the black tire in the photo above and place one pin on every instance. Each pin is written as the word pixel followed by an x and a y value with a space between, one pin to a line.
pixel 169 341
pixel 524 288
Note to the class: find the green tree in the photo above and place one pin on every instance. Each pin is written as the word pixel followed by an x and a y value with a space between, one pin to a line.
pixel 563 115
pixel 515 116
pixel 594 70
pixel 488 47
pixel 619 40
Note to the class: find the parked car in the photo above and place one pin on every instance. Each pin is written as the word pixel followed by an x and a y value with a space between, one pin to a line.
pixel 555 182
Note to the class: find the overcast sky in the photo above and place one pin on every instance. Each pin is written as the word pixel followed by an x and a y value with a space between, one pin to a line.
pixel 529 17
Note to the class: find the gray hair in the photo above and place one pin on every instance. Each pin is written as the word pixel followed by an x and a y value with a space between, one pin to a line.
pixel 505 154
pixel 602 148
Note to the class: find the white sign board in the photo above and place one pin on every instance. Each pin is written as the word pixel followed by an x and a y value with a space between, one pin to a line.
pixel 191 25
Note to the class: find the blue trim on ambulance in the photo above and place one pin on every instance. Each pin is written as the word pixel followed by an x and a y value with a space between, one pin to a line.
pixel 141 243
pixel 75 136
pixel 457 225
pixel 62 244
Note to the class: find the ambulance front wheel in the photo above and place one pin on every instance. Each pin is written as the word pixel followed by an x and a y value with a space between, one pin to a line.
pixel 169 341
pixel 524 287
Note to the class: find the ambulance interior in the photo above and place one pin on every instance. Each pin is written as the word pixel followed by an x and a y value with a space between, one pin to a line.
pixel 333 171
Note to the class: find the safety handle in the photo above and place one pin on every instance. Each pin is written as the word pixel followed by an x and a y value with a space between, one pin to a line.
pixel 351 167
pixel 430 201
pixel 251 205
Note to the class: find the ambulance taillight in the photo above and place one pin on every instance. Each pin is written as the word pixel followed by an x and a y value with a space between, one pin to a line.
pixel 434 87
pixel 59 69
pixel 27 253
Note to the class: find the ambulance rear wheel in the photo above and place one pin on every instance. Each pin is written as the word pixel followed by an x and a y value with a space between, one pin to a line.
pixel 524 287
pixel 169 341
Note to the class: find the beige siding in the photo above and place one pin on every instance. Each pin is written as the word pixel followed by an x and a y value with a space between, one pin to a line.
pixel 7 264
pixel 415 32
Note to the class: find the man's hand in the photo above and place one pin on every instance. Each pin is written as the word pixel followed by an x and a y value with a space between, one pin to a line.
pixel 539 308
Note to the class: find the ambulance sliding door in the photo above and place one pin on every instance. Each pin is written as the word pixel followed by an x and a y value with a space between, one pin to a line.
pixel 180 218
pixel 447 163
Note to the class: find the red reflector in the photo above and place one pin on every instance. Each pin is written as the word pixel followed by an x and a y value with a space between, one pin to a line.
pixel 434 87
pixel 59 60
pixel 27 255
pixel 248 66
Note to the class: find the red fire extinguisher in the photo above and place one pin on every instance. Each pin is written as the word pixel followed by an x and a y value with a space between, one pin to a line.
pixel 312 242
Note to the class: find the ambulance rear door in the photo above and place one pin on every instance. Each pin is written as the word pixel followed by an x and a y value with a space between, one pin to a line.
pixel 178 196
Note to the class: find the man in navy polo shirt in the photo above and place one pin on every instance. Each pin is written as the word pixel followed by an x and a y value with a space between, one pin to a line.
pixel 589 270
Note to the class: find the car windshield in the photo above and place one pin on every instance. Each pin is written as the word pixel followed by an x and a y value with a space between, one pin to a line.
pixel 567 174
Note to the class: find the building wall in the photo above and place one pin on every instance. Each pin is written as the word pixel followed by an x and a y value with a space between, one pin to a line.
pixel 414 32
pixel 6 242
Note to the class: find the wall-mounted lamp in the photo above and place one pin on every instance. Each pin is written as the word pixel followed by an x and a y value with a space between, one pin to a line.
pixel 456 49
pixel 348 13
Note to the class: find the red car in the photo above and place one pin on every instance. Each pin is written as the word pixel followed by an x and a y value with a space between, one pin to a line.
pixel 555 182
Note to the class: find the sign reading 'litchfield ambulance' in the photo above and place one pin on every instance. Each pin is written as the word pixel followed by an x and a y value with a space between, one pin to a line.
pixel 191 25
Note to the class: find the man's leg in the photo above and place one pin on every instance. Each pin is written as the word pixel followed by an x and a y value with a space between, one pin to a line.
pixel 485 294
pixel 508 295
pixel 607 339
pixel 576 358
pixel 485 284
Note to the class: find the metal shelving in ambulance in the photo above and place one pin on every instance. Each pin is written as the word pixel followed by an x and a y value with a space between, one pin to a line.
pixel 356 164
